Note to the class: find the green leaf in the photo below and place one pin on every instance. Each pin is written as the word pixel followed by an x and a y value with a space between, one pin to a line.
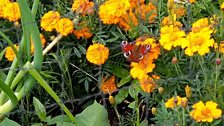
pixel 132 105
pixel 37 124
pixel 59 120
pixel 119 72
pixel 66 124
pixel 93 115
pixel 2 53
pixel 144 122
pixel 122 94
pixel 2 75
pixel 134 89
pixel 8 122
pixel 124 81
pixel 77 53
pixel 39 109
pixel 82 49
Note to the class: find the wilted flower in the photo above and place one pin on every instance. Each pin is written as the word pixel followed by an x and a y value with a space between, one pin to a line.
pixel 147 84
pixel 108 85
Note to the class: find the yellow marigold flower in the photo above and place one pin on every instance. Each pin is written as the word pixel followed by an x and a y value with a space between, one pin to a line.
pixel 43 42
pixel 83 6
pixel 199 42
pixel 3 4
pixel 201 25
pixel 192 1
pixel 147 84
pixel 128 21
pixel 9 54
pixel 174 101
pixel 84 33
pixel 64 26
pixel 219 47
pixel 108 85
pixel 222 6
pixel 166 21
pixel 205 112
pixel 111 10
pixel 11 11
pixel 188 91
pixel 49 20
pixel 148 12
pixel 97 54
pixel 172 36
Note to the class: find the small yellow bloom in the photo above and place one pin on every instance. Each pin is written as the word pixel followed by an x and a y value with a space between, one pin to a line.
pixel 219 48
pixel 64 26
pixel 153 110
pixel 9 54
pixel 205 112
pixel 222 6
pixel 11 11
pixel 174 101
pixel 108 85
pixel 97 54
pixel 49 20
pixel 188 91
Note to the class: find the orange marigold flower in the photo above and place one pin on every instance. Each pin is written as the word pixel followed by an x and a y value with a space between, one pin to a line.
pixel 179 10
pixel 108 85
pixel 11 11
pixel 174 101
pixel 205 112
pixel 172 36
pixel 43 42
pixel 64 26
pixel 84 32
pixel 97 54
pixel 9 54
pixel 49 20
pixel 136 3
pixel 128 21
pixel 148 12
pixel 147 84
pixel 111 10
pixel 83 6
pixel 3 4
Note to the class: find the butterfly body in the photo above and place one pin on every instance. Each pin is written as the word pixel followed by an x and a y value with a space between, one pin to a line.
pixel 133 52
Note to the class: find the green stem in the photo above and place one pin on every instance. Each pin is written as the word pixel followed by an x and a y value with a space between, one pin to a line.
pixel 50 91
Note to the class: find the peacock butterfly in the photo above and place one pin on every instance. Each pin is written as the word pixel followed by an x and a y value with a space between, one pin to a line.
pixel 133 52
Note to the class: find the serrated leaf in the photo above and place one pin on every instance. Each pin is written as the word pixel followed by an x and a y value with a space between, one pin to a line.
pixel 39 109
pixel 93 115
pixel 124 81
pixel 8 122
pixel 122 94
pixel 77 53
pixel 119 72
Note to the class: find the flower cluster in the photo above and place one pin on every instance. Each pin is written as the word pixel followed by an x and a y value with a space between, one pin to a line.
pixel 52 20
pixel 97 54
pixel 205 112
pixel 176 101
pixel 125 12
pixel 197 41
pixel 108 85
pixel 83 7
pixel 9 10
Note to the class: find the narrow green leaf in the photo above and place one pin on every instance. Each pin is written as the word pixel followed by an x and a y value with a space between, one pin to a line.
pixel 124 81
pixel 77 53
pixel 132 105
pixel 93 115
pixel 82 49
pixel 2 53
pixel 39 109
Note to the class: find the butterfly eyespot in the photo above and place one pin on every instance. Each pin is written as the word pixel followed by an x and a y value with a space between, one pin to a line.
pixel 126 55
pixel 124 43
pixel 140 56
pixel 148 47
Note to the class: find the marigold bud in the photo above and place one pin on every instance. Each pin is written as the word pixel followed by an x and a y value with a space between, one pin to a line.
pixel 16 24
pixel 161 90
pixel 174 60
pixel 112 100
pixel 153 110
pixel 52 37
pixel 188 91
pixel 184 103
pixel 218 61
